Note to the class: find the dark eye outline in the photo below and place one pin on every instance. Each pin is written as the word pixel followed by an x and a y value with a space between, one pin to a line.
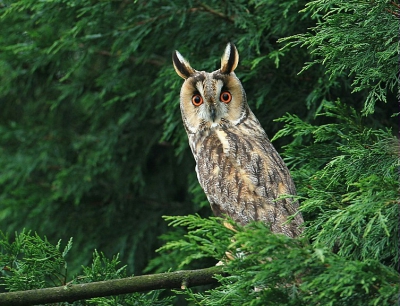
pixel 197 103
pixel 222 99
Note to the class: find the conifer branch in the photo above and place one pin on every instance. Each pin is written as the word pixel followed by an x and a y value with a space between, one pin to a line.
pixel 75 292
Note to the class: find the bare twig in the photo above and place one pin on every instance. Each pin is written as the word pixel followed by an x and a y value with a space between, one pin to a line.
pixel 396 13
pixel 214 12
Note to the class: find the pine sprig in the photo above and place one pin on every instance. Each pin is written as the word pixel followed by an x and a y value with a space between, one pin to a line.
pixel 205 238
pixel 32 262
pixel 359 39
pixel 269 269
pixel 349 184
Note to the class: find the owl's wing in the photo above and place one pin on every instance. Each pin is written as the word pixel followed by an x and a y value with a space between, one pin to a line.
pixel 243 177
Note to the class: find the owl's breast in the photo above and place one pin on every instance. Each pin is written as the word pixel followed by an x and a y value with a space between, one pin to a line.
pixel 229 168
pixel 243 176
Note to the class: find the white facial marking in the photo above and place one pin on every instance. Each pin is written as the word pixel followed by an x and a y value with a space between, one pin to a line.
pixel 210 90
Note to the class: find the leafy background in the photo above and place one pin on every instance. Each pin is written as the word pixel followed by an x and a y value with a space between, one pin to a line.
pixel 91 140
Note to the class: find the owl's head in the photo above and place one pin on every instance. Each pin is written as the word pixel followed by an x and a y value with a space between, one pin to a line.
pixel 211 99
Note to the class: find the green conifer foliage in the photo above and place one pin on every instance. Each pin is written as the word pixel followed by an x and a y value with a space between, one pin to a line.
pixel 92 145
pixel 262 268
pixel 350 195
pixel 358 39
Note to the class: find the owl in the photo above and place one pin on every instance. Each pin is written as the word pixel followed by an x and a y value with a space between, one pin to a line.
pixel 240 171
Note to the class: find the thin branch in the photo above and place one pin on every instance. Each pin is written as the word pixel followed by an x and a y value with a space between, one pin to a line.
pixel 156 62
pixel 203 8
pixel 397 7
pixel 214 12
pixel 71 293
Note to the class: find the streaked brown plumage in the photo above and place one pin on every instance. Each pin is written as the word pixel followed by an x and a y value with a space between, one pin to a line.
pixel 240 171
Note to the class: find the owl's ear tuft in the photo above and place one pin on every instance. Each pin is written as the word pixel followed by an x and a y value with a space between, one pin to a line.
pixel 230 59
pixel 182 66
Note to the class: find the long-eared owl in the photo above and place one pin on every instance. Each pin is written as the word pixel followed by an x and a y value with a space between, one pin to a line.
pixel 240 171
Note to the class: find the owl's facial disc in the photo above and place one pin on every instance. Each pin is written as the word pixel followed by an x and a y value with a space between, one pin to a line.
pixel 212 109
pixel 212 100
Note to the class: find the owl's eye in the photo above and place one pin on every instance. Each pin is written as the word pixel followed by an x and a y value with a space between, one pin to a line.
pixel 197 100
pixel 225 97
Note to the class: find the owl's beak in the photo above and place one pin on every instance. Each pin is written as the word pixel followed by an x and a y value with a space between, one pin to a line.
pixel 213 113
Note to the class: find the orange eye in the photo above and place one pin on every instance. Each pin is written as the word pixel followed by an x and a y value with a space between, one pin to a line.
pixel 225 97
pixel 197 100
